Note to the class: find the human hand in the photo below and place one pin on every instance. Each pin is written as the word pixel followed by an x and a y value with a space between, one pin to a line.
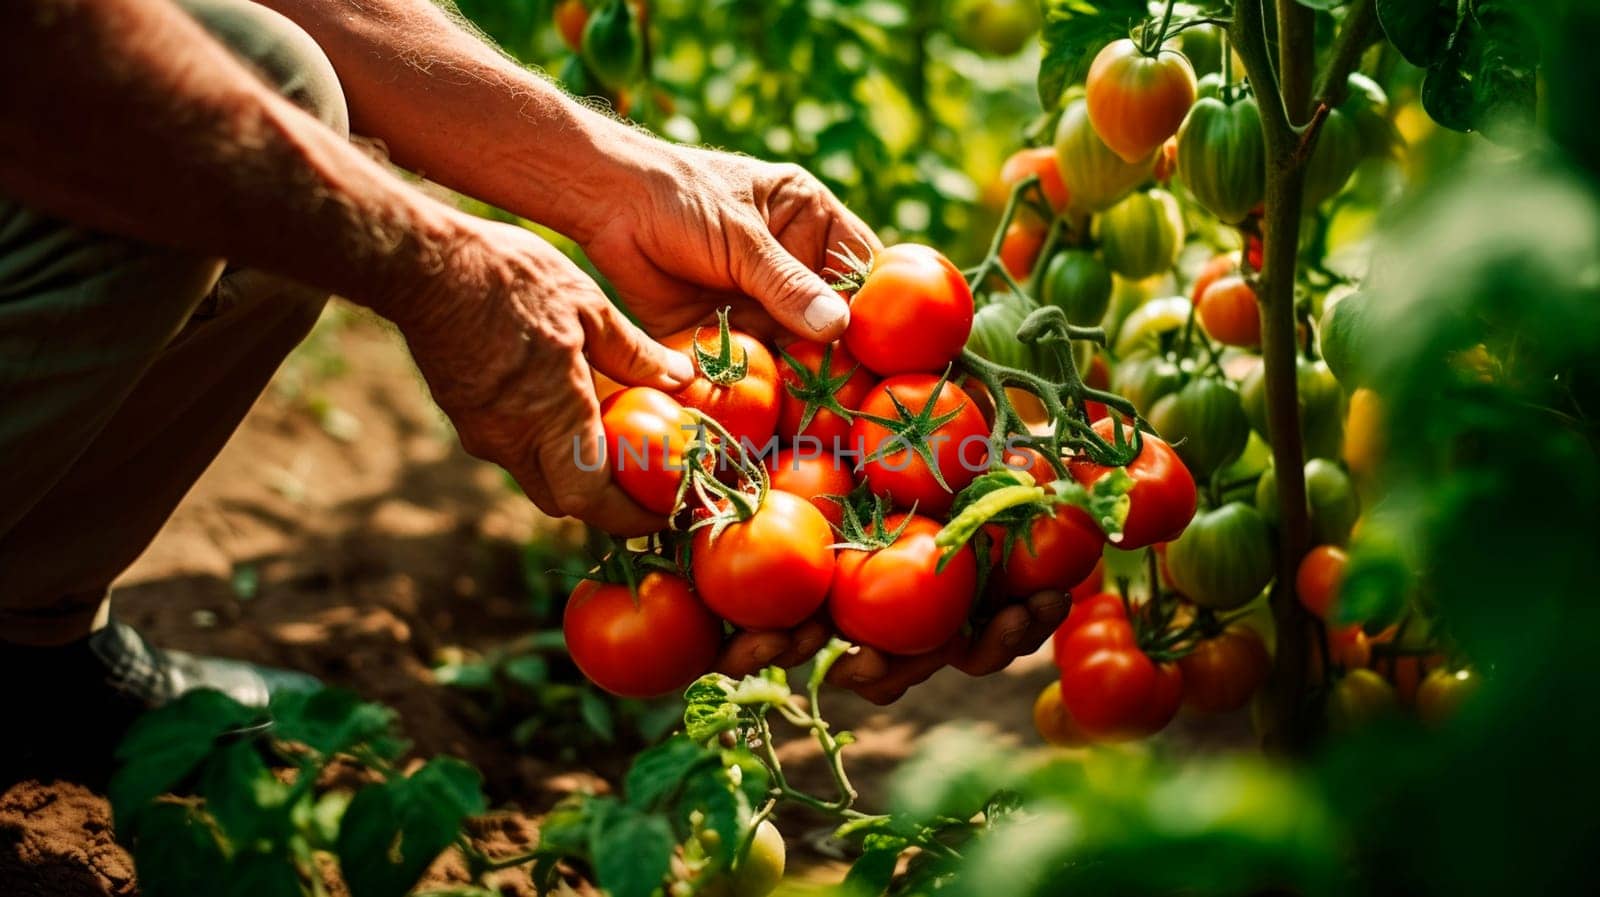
pixel 1015 631
pixel 699 230
pixel 505 335
pixel 748 652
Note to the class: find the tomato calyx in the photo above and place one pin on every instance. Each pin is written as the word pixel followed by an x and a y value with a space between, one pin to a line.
pixel 912 430
pixel 721 368
pixel 720 503
pixel 1011 499
pixel 624 566
pixel 865 526
pixel 853 269
pixel 817 389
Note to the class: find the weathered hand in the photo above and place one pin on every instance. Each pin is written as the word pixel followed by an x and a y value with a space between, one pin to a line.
pixel 748 652
pixel 505 335
pixel 700 230
pixel 1016 631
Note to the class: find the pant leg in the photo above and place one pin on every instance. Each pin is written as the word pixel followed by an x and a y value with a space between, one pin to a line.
pixel 124 368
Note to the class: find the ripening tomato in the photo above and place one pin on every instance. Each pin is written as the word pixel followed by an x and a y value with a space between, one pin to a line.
pixel 647 432
pixel 1406 672
pixel 1136 101
pixel 1359 697
pixel 1318 580
pixel 771 571
pixel 1054 724
pixel 1348 649
pixel 570 17
pixel 1218 267
pixel 742 393
pixel 1221 674
pixel 645 646
pixel 1019 248
pixel 1112 688
pixel 1162 500
pixel 815 477
pixel 1229 313
pixel 958 446
pixel 806 386
pixel 1039 160
pixel 1442 693
pixel 912 314
pixel 1065 548
pixel 1098 606
pixel 895 598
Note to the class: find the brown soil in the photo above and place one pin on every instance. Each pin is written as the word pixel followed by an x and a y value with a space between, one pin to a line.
pixel 343 532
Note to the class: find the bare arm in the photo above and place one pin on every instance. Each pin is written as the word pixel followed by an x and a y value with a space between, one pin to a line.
pixel 679 231
pixel 125 115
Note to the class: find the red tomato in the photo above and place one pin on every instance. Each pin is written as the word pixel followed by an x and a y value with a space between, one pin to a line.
pixel 1099 374
pixel 769 572
pixel 1162 501
pixel 1222 674
pixel 959 446
pixel 1217 268
pixel 1255 248
pixel 894 599
pixel 1092 585
pixel 1066 547
pixel 1039 160
pixel 1136 101
pixel 646 434
pixel 1111 688
pixel 1024 459
pixel 1019 249
pixel 913 313
pixel 1318 580
pixel 747 404
pixel 1228 311
pixel 1100 606
pixel 813 476
pixel 1055 725
pixel 645 647
pixel 807 387
pixel 1406 672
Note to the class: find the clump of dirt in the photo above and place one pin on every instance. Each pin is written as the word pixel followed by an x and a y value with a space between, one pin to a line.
pixel 56 840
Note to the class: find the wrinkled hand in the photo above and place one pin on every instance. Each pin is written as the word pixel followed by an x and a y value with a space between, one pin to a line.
pixel 1016 631
pixel 701 230
pixel 505 335
pixel 748 652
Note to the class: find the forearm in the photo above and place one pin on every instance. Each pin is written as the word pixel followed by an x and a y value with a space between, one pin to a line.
pixel 126 116
pixel 451 107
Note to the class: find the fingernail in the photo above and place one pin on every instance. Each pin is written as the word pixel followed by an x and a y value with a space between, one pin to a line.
pixel 679 368
pixel 1012 638
pixel 826 312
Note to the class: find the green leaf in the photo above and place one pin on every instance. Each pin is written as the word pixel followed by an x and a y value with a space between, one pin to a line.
pixel 1419 29
pixel 872 872
pixel 596 713
pixel 661 770
pixel 724 808
pixel 393 831
pixel 258 874
pixel 631 851
pixel 177 852
pixel 770 686
pixel 335 719
pixel 1488 72
pixel 242 794
pixel 529 670
pixel 955 773
pixel 1075 30
pixel 708 712
pixel 165 745
pixel 465 675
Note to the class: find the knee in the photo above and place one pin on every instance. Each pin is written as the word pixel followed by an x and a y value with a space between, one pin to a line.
pixel 281 52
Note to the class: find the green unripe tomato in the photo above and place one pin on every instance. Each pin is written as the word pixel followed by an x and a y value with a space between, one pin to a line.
pixel 758 872
pixel 996 27
pixel 1079 283
pixel 1204 423
pixel 1222 157
pixel 1142 234
pixel 1145 379
pixel 1358 699
pixel 1096 176
pixel 1330 499
pixel 994 335
pixel 1346 337
pixel 1320 400
pixel 1338 152
pixel 612 48
pixel 1142 330
pixel 575 77
pixel 1224 558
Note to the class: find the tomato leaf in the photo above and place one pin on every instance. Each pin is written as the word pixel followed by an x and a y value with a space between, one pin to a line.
pixel 393 831
pixel 334 719
pixel 709 713
pixel 1487 74
pixel 177 852
pixel 631 850
pixel 954 774
pixel 770 686
pixel 242 794
pixel 1419 29
pixel 1075 30
pixel 659 772
pixel 165 745
pixel 874 869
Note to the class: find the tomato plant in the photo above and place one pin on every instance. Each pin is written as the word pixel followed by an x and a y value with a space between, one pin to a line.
pixel 924 440
pixel 1111 688
pixel 1223 673
pixel 890 592
pixel 821 386
pixel 1057 552
pixel 736 381
pixel 768 570
pixel 1224 558
pixel 1162 500
pixel 1136 98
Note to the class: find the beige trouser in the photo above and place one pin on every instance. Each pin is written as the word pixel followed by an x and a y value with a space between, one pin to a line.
pixel 125 367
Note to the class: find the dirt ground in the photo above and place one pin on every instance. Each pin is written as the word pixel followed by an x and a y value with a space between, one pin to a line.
pixel 343 532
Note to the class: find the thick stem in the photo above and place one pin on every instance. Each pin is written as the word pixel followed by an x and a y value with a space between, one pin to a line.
pixel 1353 40
pixel 1287 726
pixel 1296 56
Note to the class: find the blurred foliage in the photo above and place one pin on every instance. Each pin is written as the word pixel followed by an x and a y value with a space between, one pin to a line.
pixel 905 110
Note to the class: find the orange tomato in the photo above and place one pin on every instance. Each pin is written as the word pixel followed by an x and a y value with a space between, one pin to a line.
pixel 1039 160
pixel 1229 313
pixel 1019 248
pixel 1136 101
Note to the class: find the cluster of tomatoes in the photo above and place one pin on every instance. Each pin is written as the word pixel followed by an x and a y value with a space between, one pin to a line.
pixel 806 480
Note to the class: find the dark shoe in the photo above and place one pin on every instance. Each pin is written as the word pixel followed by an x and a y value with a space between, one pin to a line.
pixel 69 706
